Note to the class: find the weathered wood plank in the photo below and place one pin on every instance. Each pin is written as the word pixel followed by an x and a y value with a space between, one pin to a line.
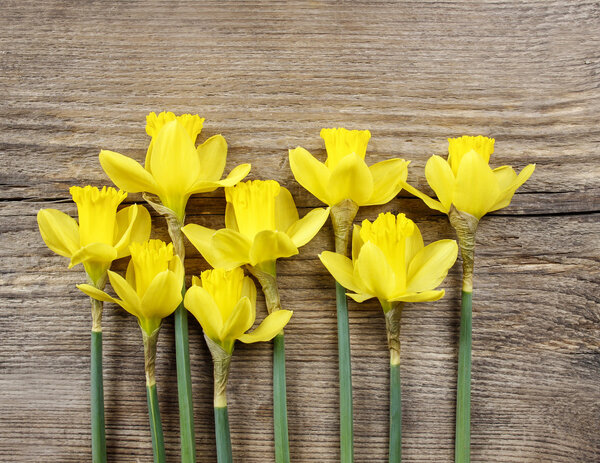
pixel 268 76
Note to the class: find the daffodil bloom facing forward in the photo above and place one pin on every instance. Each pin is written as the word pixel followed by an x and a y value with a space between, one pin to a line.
pixel 102 235
pixel 151 290
pixel 224 303
pixel 391 263
pixel 262 225
pixel 174 168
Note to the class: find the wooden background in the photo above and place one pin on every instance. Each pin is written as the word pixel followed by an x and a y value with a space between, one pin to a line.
pixel 268 76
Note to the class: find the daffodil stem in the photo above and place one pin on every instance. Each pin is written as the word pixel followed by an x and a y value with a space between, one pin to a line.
pixel 395 454
pixel 98 429
pixel 223 439
pixel 282 445
pixel 345 377
pixel 158 443
pixel 462 451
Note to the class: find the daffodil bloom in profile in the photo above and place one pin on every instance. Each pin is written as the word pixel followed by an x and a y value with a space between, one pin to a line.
pixel 391 262
pixel 151 290
pixel 102 234
pixel 262 225
pixel 174 168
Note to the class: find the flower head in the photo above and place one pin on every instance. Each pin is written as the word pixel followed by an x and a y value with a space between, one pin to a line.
pixel 467 182
pixel 391 263
pixel 151 289
pixel 345 174
pixel 175 168
pixel 102 235
pixel 262 225
pixel 224 303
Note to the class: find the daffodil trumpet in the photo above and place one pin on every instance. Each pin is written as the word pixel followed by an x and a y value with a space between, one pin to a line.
pixel 391 263
pixel 345 182
pixel 174 170
pixel 467 188
pixel 151 291
pixel 101 236
pixel 262 225
pixel 224 303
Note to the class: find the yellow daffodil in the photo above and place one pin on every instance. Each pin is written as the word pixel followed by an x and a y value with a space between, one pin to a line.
pixel 224 303
pixel 391 263
pixel 151 289
pixel 345 174
pixel 102 235
pixel 262 225
pixel 175 168
pixel 467 182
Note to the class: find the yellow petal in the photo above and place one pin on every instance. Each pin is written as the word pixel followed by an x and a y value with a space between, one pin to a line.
pixel 374 273
pixel 201 238
pixel 350 179
pixel 176 266
pixel 95 293
pixel 476 187
pixel 507 193
pixel 230 220
pixel 341 269
pixel 420 297
pixel 162 296
pixel 249 290
pixel 241 320
pixel 388 178
pixel 505 176
pixel 270 245
pixel 360 297
pixel 213 155
pixel 234 177
pixel 413 243
pixel 430 265
pixel 231 249
pixel 441 179
pixel 269 328
pixel 286 213
pixel 312 174
pixel 430 202
pixel 129 299
pixel 95 252
pixel 357 242
pixel 126 173
pixel 458 147
pixel 133 226
pixel 59 231
pixel 305 229
pixel 201 304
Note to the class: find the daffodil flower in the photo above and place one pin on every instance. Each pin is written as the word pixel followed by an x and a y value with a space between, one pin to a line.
pixel 467 182
pixel 262 225
pixel 391 263
pixel 224 303
pixel 102 235
pixel 151 289
pixel 175 168
pixel 345 174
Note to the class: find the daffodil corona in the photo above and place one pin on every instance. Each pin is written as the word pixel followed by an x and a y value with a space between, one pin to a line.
pixel 391 263
pixel 224 303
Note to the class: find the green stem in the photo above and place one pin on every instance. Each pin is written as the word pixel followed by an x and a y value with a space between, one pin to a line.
pixel 222 435
pixel 282 445
pixel 98 432
pixel 463 393
pixel 345 377
pixel 395 415
pixel 158 442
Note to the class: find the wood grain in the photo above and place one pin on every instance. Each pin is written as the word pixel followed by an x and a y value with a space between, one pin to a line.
pixel 268 76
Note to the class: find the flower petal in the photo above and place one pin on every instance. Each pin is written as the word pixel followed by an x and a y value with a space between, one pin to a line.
pixel 241 320
pixel 476 187
pixel 286 213
pixel 270 245
pixel 360 297
pixel 201 304
pixel 430 202
pixel 305 229
pixel 430 265
pixel 162 296
pixel 231 249
pixel 133 226
pixel 95 293
pixel 350 179
pixel 95 252
pixel 230 220
pixel 270 327
pixel 388 178
pixel 213 155
pixel 373 272
pixel 312 174
pixel 507 193
pixel 441 179
pixel 59 231
pixel 127 173
pixel 129 298
pixel 201 238
pixel 234 177
pixel 357 242
pixel 249 290
pixel 420 297
pixel 341 269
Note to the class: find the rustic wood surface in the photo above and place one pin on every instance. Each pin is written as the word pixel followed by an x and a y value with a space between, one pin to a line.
pixel 268 76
